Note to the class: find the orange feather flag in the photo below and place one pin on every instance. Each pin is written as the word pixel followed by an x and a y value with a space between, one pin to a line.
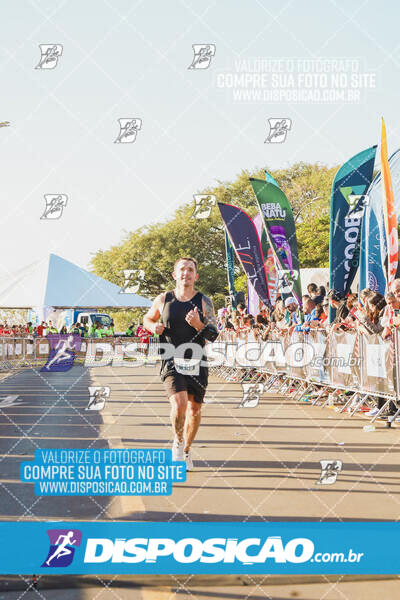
pixel 389 211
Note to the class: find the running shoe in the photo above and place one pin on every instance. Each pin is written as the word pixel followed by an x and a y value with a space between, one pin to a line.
pixel 188 461
pixel 177 450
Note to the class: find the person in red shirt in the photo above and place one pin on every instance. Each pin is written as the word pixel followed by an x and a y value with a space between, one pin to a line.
pixel 144 336
pixel 40 329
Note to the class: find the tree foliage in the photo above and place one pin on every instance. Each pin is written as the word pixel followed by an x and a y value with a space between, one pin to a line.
pixel 155 248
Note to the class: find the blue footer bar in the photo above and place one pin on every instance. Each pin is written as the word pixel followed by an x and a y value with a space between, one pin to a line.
pixel 208 548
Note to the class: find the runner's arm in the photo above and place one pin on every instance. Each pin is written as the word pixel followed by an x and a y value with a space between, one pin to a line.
pixel 210 330
pixel 150 319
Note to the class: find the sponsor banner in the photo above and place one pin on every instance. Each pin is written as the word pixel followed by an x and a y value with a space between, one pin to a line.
pixel 253 302
pixel 243 235
pixel 281 234
pixel 270 179
pixel 230 268
pixel 389 211
pixel 348 199
pixel 269 260
pixel 373 238
pixel 72 548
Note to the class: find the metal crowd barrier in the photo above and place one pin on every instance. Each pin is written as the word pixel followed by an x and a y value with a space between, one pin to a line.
pixel 17 353
pixel 358 366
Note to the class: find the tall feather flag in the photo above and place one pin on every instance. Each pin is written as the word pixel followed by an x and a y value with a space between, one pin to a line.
pixel 230 268
pixel 244 237
pixel 389 211
pixel 281 234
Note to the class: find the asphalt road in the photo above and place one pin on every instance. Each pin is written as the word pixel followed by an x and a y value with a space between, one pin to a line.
pixel 257 464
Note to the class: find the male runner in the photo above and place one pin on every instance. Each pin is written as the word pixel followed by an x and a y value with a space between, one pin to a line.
pixel 186 316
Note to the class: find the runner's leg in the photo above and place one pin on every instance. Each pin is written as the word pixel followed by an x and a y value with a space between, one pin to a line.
pixel 179 402
pixel 192 422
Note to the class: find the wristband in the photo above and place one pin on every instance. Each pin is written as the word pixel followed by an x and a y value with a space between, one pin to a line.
pixel 209 332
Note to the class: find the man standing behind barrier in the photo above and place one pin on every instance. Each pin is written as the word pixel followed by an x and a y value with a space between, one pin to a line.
pixel 187 317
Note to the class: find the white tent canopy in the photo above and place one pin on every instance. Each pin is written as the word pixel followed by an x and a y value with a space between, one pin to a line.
pixel 59 283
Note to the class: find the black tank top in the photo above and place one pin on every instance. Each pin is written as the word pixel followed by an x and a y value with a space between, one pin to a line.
pixel 178 331
pixel 173 317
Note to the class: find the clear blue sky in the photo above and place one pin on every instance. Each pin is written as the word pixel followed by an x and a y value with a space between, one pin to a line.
pixel 123 58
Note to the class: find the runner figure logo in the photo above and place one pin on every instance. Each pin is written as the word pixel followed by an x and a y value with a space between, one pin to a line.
pixel 62 352
pixel 286 280
pixel 55 204
pixel 203 204
pixel 251 394
pixel 128 129
pixel 63 543
pixel 203 54
pixel 9 401
pixel 50 53
pixel 97 397
pixel 329 471
pixel 133 281
pixel 278 129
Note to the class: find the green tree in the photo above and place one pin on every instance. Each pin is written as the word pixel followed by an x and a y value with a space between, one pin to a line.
pixel 155 248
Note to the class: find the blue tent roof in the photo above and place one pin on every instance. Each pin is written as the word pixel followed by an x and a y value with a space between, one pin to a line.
pixel 63 284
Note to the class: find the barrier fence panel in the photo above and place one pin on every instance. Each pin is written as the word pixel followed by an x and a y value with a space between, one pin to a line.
pixel 33 352
pixel 316 369
pixel 377 372
pixel 274 354
pixel 342 352
pixel 357 361
pixel 296 353
pixel 42 348
pixel 343 360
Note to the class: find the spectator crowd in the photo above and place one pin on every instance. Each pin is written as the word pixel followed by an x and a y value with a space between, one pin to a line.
pixel 370 312
pixel 96 330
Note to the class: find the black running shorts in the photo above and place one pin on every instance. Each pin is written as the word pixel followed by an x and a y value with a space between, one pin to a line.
pixel 176 382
